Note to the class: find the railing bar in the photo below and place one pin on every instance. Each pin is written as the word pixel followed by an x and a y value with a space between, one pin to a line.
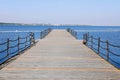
pixel 114 53
pixel 102 48
pixel 95 48
pixel 103 53
pixel 14 46
pixel 13 40
pixel 22 48
pixel 114 61
pixel 3 58
pixel 14 52
pixel 114 45
pixel 3 51
pixel 24 37
pixel 23 42
pixel 3 43
pixel 102 41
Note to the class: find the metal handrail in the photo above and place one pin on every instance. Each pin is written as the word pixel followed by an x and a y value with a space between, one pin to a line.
pixel 13 40
pixel 72 32
pixel 28 39
pixel 44 33
pixel 21 43
pixel 87 39
pixel 3 43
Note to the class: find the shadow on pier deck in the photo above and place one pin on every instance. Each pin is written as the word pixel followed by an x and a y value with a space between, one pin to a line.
pixel 59 56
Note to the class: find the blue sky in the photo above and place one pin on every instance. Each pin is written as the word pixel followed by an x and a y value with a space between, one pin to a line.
pixel 83 12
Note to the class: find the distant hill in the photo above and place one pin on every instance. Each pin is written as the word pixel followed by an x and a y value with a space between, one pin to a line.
pixel 4 24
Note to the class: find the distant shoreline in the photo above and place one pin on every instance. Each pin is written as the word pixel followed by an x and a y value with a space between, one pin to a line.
pixel 22 24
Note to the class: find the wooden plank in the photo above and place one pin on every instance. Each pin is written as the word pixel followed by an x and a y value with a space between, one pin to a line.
pixel 59 56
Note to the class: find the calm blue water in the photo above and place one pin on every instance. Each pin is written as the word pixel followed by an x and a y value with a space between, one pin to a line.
pixel 111 33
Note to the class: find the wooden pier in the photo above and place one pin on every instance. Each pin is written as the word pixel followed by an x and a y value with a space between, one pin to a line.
pixel 59 56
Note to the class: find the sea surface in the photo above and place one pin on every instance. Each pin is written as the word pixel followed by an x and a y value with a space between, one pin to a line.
pixel 110 33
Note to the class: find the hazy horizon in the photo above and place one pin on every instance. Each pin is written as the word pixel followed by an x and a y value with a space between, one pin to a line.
pixel 80 12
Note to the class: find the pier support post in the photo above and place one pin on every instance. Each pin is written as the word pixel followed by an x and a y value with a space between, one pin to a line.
pixel 107 50
pixel 99 45
pixel 18 43
pixel 8 43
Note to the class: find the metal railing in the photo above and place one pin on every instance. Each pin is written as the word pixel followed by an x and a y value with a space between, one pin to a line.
pixel 44 33
pixel 103 48
pixel 10 48
pixel 72 32
pixel 14 47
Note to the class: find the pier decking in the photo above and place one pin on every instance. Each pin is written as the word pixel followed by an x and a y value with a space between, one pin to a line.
pixel 59 56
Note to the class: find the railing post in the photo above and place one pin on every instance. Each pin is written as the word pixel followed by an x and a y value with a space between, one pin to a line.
pixel 92 42
pixel 72 32
pixel 107 50
pixel 41 35
pixel 68 30
pixel 87 37
pixel 76 35
pixel 33 38
pixel 26 41
pixel 49 30
pixel 99 45
pixel 18 43
pixel 44 33
pixel 84 38
pixel 8 44
pixel 30 36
